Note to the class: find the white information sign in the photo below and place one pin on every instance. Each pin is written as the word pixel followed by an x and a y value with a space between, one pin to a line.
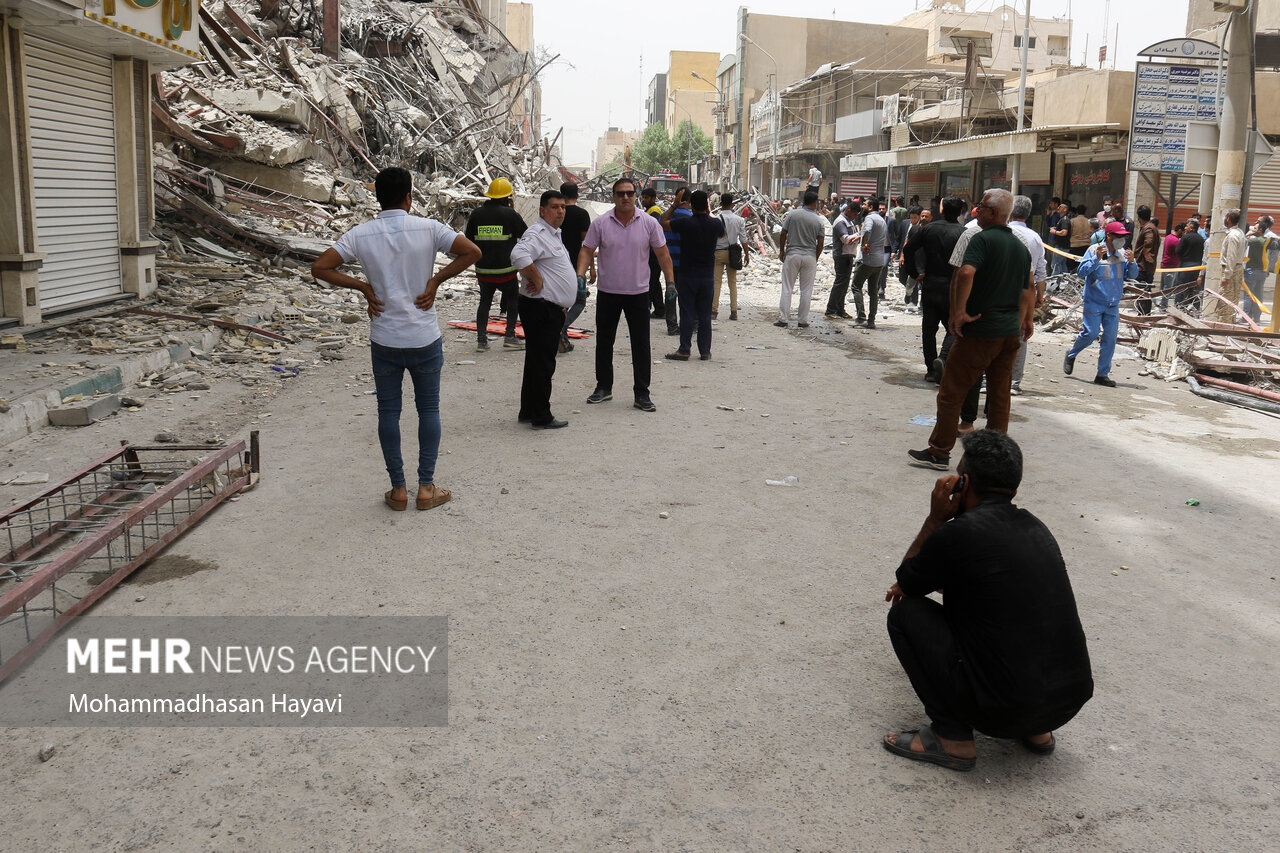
pixel 1166 98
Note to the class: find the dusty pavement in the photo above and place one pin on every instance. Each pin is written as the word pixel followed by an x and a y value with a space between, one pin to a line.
pixel 717 680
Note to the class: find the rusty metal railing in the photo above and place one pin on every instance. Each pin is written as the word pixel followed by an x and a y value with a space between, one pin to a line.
pixel 71 544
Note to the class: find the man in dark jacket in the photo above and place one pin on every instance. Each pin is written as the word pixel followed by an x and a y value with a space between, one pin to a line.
pixel 1005 652
pixel 938 240
pixel 495 227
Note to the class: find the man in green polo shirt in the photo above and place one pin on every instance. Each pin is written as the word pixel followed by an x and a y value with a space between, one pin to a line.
pixel 992 311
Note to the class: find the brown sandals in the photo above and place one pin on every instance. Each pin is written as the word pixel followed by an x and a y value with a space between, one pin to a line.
pixel 438 496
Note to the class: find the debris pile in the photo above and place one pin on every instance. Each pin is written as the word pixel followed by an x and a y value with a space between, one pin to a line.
pixel 1241 357
pixel 270 146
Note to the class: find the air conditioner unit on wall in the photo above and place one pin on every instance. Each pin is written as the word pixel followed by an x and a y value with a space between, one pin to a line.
pixel 1230 5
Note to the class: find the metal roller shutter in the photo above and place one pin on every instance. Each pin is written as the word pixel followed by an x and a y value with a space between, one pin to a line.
pixel 1264 191
pixel 922 183
pixel 861 186
pixel 73 154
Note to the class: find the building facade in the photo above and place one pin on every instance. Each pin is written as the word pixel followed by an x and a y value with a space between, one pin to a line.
pixel 613 143
pixel 76 200
pixel 691 90
pixel 655 102
pixel 999 31
pixel 773 51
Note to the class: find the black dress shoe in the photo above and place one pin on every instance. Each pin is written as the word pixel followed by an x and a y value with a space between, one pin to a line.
pixel 554 423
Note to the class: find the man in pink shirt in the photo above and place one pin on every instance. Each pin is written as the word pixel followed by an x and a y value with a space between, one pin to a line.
pixel 622 237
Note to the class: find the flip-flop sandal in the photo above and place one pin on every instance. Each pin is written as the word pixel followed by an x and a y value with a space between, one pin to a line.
pixel 1039 748
pixel 438 496
pixel 398 505
pixel 933 751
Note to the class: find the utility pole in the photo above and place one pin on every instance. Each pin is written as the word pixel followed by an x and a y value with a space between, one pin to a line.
pixel 1232 137
pixel 1015 173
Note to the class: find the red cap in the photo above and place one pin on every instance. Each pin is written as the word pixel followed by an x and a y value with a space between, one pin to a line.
pixel 1116 228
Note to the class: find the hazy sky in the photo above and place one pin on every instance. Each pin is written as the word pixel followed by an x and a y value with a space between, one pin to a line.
pixel 609 51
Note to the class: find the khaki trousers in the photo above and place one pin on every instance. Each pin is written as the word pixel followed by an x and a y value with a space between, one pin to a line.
pixel 722 264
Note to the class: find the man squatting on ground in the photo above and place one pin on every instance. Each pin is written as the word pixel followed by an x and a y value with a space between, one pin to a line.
pixel 991 315
pixel 1005 652
pixel 572 233
pixel 800 246
pixel 1104 268
pixel 396 250
pixel 495 226
pixel 548 287
pixel 623 239
pixel 699 232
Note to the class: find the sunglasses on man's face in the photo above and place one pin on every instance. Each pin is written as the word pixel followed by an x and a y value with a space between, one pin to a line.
pixel 624 192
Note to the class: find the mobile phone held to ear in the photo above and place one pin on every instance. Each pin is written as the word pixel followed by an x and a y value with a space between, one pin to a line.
pixel 961 481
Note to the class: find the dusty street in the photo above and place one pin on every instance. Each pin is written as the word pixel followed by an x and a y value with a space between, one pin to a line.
pixel 717 680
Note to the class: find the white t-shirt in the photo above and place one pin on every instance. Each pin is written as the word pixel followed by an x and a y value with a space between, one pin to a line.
pixel 735 230
pixel 815 177
pixel 398 253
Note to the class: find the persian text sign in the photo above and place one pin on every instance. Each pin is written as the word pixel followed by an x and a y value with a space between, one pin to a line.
pixel 1165 98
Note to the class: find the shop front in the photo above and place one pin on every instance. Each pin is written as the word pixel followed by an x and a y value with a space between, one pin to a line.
pixel 76 152
pixel 1090 182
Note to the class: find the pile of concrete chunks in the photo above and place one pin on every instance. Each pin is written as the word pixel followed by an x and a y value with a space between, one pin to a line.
pixel 270 146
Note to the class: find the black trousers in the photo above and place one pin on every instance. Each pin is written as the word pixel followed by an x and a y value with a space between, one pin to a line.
pixel 869 276
pixel 1145 281
pixel 844 269
pixel 953 695
pixel 695 313
pixel 543 321
pixel 510 290
pixel 928 652
pixel 935 307
pixel 609 309
pixel 657 295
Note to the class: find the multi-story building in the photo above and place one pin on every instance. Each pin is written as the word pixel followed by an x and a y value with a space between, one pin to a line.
pixel 655 102
pixel 998 31
pixel 773 51
pixel 525 91
pixel 691 90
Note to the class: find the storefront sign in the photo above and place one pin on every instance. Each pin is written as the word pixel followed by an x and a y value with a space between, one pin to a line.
pixel 1183 49
pixel 171 23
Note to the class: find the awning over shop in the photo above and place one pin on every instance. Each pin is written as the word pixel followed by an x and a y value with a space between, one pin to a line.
pixel 1005 144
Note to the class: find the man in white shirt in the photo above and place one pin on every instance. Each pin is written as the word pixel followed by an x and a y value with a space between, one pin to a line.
pixel 735 234
pixel 397 250
pixel 548 287
pixel 1039 272
pixel 815 179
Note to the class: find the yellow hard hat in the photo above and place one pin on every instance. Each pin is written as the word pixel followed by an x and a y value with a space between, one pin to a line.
pixel 499 188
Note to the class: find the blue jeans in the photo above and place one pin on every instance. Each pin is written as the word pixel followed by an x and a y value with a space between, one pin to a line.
pixel 1098 318
pixel 423 365
pixel 1061 265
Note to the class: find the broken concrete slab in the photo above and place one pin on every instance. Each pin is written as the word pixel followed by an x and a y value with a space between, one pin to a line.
pixel 284 105
pixel 85 412
pixel 305 184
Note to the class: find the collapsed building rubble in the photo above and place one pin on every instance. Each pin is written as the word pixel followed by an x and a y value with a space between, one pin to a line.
pixel 1180 345
pixel 270 146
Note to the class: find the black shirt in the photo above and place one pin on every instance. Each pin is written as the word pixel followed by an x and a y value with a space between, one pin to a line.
pixel 495 227
pixel 1190 248
pixel 698 236
pixel 938 239
pixel 576 223
pixel 1009 602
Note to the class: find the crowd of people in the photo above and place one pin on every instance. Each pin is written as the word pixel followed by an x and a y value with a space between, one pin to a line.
pixel 1005 652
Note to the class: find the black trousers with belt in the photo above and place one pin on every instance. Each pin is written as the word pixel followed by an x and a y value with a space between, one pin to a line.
pixel 543 321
